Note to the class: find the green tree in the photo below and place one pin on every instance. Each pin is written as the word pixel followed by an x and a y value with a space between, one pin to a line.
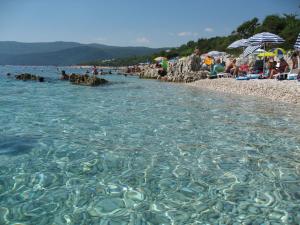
pixel 247 29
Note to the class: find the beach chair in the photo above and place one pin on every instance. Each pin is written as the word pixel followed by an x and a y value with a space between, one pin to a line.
pixel 292 75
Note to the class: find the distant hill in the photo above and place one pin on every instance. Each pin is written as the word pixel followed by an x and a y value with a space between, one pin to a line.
pixel 63 53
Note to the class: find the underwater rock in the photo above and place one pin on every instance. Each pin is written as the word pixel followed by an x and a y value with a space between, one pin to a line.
pixel 108 206
pixel 16 145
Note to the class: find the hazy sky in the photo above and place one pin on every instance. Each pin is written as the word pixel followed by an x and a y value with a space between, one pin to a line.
pixel 154 23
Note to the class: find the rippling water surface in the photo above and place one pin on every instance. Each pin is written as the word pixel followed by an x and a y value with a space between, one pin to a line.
pixel 144 152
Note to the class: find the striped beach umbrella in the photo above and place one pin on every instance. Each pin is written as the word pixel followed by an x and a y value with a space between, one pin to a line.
pixel 297 44
pixel 250 49
pixel 239 44
pixel 266 37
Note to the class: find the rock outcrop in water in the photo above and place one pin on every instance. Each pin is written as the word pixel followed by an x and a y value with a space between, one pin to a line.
pixel 85 79
pixel 188 70
pixel 28 76
pixel 88 80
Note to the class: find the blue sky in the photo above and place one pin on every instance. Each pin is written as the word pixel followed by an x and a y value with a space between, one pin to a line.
pixel 153 23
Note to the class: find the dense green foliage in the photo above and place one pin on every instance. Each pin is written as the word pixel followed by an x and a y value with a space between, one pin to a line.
pixel 286 26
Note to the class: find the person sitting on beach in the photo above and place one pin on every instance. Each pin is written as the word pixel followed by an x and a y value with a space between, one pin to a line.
pixel 217 68
pixel 282 67
pixel 271 67
pixel 230 66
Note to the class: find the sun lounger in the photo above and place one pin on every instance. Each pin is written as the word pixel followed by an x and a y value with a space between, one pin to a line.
pixel 292 75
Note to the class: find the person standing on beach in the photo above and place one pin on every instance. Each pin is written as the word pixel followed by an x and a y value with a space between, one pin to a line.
pixel 295 61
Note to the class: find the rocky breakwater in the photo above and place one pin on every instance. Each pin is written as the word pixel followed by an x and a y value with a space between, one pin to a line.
pixel 187 70
pixel 28 76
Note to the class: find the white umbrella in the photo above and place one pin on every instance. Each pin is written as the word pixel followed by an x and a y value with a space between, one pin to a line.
pixel 239 43
pixel 216 53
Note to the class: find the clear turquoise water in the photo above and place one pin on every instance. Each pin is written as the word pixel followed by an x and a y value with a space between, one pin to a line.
pixel 144 152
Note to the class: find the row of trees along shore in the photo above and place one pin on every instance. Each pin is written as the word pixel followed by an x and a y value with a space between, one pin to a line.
pixel 286 26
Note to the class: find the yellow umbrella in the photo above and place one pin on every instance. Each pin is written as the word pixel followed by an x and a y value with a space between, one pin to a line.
pixel 266 54
pixel 160 58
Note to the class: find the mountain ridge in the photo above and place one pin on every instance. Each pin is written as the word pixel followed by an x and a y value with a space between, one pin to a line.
pixel 63 53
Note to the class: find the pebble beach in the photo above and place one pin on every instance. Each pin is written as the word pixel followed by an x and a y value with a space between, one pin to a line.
pixel 281 91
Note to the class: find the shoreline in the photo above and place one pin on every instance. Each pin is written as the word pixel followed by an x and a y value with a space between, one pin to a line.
pixel 280 91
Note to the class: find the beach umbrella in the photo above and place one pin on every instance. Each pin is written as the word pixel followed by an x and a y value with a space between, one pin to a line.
pixel 215 53
pixel 251 49
pixel 266 54
pixel 265 37
pixel 183 58
pixel 297 44
pixel 239 44
pixel 160 58
pixel 260 50
pixel 278 51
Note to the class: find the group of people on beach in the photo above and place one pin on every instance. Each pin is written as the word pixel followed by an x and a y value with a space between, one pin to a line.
pixel 267 67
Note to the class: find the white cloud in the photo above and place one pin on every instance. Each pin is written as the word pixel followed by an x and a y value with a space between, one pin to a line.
pixel 142 40
pixel 209 29
pixel 184 34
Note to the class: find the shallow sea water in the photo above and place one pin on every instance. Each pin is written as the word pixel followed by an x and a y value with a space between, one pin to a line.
pixel 144 152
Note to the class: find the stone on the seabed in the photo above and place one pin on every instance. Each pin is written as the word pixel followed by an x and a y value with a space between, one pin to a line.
pixel 28 76
pixel 134 195
pixel 107 206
